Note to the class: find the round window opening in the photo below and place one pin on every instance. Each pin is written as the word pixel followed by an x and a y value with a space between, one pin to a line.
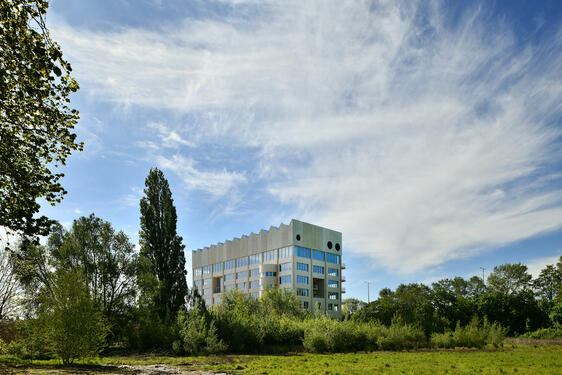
pixel 298 237
pixel 338 247
pixel 329 244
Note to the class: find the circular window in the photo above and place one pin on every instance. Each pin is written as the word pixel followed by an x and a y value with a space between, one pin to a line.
pixel 338 247
pixel 329 244
pixel 298 237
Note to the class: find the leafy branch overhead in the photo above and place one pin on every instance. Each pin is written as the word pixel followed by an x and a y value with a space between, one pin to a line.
pixel 36 119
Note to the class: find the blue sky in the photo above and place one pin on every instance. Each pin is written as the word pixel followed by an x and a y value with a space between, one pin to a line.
pixel 428 133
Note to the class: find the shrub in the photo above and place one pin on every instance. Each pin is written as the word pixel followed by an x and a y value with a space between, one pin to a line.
pixel 544 333
pixel 198 333
pixel 69 320
pixel 400 337
pixel 473 335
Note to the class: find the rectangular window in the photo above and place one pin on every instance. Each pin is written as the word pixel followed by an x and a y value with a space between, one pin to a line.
pixel 269 256
pixel 285 279
pixel 229 265
pixel 206 282
pixel 242 275
pixel 254 272
pixel 302 252
pixel 241 285
pixel 197 283
pixel 229 277
pixel 285 267
pixel 330 307
pixel 333 272
pixel 217 267
pixel 206 291
pixel 318 255
pixel 197 272
pixel 332 295
pixel 302 267
pixel 241 262
pixel 208 302
pixel 218 300
pixel 269 274
pixel 333 284
pixel 254 284
pixel 302 292
pixel 302 279
pixel 254 259
pixel 318 269
pixel 332 258
pixel 229 287
pixel 305 305
pixel 206 270
pixel 284 252
pixel 336 308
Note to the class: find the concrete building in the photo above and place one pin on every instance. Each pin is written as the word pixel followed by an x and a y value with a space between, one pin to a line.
pixel 302 257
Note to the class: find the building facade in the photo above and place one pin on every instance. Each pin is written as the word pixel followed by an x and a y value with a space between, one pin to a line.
pixel 302 257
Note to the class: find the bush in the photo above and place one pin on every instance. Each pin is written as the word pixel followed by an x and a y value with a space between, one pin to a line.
pixel 198 333
pixel 327 335
pixel 544 333
pixel 473 335
pixel 400 337
pixel 69 320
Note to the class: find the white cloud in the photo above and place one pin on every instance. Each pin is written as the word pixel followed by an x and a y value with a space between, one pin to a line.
pixel 535 266
pixel 77 211
pixel 215 183
pixel 421 142
pixel 132 199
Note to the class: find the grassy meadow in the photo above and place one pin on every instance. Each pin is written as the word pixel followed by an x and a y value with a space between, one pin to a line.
pixel 513 359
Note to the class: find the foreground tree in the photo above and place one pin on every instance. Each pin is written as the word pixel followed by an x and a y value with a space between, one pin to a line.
pixel 72 324
pixel 35 120
pixel 509 278
pixel 162 261
pixel 106 258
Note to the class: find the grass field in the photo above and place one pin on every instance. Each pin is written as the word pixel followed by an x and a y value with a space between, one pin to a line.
pixel 521 359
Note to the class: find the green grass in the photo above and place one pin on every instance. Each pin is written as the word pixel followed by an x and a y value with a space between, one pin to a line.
pixel 519 359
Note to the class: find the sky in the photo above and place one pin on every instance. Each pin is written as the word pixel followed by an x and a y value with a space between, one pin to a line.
pixel 428 133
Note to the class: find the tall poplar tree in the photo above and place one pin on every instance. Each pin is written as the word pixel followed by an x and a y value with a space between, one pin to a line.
pixel 162 276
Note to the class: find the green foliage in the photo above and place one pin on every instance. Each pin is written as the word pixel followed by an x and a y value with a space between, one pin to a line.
pixel 198 333
pixel 162 268
pixel 509 278
pixel 412 302
pixel 473 335
pixel 544 333
pixel 69 319
pixel 35 118
pixel 145 331
pixel 106 258
pixel 519 312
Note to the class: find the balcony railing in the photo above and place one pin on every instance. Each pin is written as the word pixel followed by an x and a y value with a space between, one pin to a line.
pixel 343 290
pixel 343 279
pixel 343 266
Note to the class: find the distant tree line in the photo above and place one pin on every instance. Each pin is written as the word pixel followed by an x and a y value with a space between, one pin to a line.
pixel 511 298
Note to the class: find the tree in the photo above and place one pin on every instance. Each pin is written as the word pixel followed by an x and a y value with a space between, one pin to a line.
pixel 106 258
pixel 35 118
pixel 10 288
pixel 162 275
pixel 549 281
pixel 71 323
pixel 509 278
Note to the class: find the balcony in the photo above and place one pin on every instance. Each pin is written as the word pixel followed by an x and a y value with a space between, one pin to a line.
pixel 343 266
pixel 342 290
pixel 343 279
